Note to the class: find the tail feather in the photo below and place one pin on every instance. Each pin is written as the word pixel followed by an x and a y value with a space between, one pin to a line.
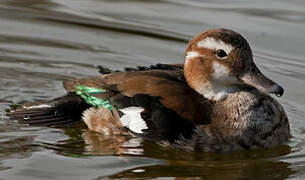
pixel 62 111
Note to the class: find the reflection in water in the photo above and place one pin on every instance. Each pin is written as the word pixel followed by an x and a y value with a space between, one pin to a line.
pixel 256 170
pixel 97 144
pixel 255 164
pixel 84 142
pixel 16 147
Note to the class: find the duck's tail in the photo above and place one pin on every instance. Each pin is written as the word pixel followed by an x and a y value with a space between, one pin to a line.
pixel 59 112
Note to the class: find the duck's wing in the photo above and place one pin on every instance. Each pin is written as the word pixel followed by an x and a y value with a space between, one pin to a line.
pixel 171 67
pixel 170 86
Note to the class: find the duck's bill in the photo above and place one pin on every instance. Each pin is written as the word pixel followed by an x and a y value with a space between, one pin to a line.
pixel 258 80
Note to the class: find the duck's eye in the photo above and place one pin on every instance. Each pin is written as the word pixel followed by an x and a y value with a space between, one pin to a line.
pixel 221 53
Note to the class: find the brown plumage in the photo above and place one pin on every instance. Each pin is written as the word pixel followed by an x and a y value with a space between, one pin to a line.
pixel 216 101
pixel 167 84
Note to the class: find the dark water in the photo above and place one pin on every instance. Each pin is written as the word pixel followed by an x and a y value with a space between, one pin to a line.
pixel 43 42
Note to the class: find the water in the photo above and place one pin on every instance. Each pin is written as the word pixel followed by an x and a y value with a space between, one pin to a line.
pixel 44 42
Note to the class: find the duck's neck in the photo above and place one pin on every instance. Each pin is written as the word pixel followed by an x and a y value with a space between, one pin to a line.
pixel 209 89
pixel 211 80
pixel 214 92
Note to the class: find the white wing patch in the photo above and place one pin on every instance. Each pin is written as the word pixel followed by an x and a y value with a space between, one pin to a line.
pixel 132 119
pixel 213 44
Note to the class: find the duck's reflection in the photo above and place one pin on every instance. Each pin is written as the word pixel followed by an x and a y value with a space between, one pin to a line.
pixel 186 165
pixel 97 144
pixel 213 171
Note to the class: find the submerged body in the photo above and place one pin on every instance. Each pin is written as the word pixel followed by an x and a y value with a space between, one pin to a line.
pixel 217 101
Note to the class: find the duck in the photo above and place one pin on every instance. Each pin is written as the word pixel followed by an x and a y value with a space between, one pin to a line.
pixel 216 101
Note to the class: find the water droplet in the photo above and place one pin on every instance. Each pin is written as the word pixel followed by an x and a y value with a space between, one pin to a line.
pixel 26 117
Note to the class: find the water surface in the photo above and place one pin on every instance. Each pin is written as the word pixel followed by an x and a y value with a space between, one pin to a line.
pixel 44 42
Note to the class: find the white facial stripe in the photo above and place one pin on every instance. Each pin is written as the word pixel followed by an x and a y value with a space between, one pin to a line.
pixel 191 55
pixel 132 119
pixel 213 44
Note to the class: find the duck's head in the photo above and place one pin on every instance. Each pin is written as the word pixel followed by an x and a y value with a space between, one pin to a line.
pixel 220 61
